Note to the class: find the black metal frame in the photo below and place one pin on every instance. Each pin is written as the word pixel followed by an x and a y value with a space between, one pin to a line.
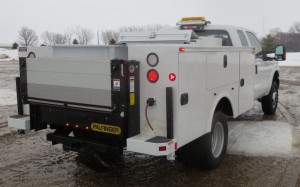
pixel 169 108
pixel 19 97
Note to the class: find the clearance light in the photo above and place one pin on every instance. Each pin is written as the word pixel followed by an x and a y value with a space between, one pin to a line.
pixel 190 27
pixel 172 77
pixel 193 19
pixel 152 76
pixel 181 49
pixel 162 148
pixel 76 126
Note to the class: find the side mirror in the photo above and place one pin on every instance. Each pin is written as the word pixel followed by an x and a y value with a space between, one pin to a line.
pixel 280 53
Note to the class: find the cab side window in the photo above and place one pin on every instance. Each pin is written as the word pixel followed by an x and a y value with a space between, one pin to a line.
pixel 255 43
pixel 242 38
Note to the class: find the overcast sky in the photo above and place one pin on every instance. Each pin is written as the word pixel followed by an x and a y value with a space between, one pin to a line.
pixel 57 15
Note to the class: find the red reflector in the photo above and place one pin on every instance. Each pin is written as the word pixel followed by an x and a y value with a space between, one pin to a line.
pixel 152 75
pixel 172 77
pixel 175 146
pixel 76 126
pixel 190 27
pixel 181 49
pixel 162 148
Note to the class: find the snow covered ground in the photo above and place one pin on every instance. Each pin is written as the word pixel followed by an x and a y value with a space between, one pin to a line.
pixel 292 59
pixel 263 138
pixel 8 97
pixel 12 54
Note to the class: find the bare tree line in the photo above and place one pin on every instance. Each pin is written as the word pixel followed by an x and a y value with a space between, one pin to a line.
pixel 27 37
pixel 290 39
pixel 78 35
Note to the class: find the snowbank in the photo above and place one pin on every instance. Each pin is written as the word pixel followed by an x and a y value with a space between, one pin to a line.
pixel 264 138
pixel 12 54
pixel 292 59
pixel 8 97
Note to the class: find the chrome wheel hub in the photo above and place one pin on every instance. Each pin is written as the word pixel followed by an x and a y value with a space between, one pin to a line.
pixel 217 141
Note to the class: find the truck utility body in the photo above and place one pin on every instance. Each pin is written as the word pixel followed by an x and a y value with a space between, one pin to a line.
pixel 158 93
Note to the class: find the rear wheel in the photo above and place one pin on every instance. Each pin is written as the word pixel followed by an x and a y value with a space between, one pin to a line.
pixel 270 101
pixel 209 150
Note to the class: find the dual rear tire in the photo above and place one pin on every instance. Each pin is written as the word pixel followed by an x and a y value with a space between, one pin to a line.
pixel 208 151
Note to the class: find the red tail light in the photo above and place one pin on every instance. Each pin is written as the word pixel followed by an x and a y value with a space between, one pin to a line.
pixel 76 126
pixel 152 75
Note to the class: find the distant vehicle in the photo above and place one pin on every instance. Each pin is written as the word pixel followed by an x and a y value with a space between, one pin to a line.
pixel 164 93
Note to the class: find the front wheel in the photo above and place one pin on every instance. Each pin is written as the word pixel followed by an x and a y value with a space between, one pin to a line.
pixel 270 101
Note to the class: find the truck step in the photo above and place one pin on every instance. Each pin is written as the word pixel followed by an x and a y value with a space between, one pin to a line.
pixel 152 145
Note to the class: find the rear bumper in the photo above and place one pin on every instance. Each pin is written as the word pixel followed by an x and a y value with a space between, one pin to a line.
pixel 74 144
pixel 156 146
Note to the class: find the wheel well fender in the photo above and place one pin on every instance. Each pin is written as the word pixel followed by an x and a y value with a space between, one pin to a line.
pixel 222 103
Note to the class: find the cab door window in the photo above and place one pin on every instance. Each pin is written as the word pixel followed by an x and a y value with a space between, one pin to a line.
pixel 255 43
pixel 243 38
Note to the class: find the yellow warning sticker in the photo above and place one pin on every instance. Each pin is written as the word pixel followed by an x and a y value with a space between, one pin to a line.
pixel 132 101
pixel 106 128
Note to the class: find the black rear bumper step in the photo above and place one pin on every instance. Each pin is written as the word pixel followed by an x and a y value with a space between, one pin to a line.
pixel 78 145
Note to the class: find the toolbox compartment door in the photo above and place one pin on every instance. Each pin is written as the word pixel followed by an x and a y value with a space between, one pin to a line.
pixel 192 78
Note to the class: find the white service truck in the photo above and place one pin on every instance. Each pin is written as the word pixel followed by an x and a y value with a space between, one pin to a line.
pixel 165 93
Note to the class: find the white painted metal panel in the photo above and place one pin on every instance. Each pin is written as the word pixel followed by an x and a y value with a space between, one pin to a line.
pixel 103 52
pixel 139 144
pixel 247 72
pixel 192 80
pixel 217 74
pixel 168 63
pixel 161 36
pixel 213 96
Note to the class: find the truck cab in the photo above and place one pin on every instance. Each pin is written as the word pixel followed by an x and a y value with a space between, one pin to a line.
pixel 164 93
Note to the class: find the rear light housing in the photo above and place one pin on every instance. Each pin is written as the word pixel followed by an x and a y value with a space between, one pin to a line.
pixel 152 76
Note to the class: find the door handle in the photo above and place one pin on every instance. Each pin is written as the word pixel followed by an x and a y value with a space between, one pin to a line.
pixel 184 99
pixel 242 83
pixel 225 61
pixel 256 70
